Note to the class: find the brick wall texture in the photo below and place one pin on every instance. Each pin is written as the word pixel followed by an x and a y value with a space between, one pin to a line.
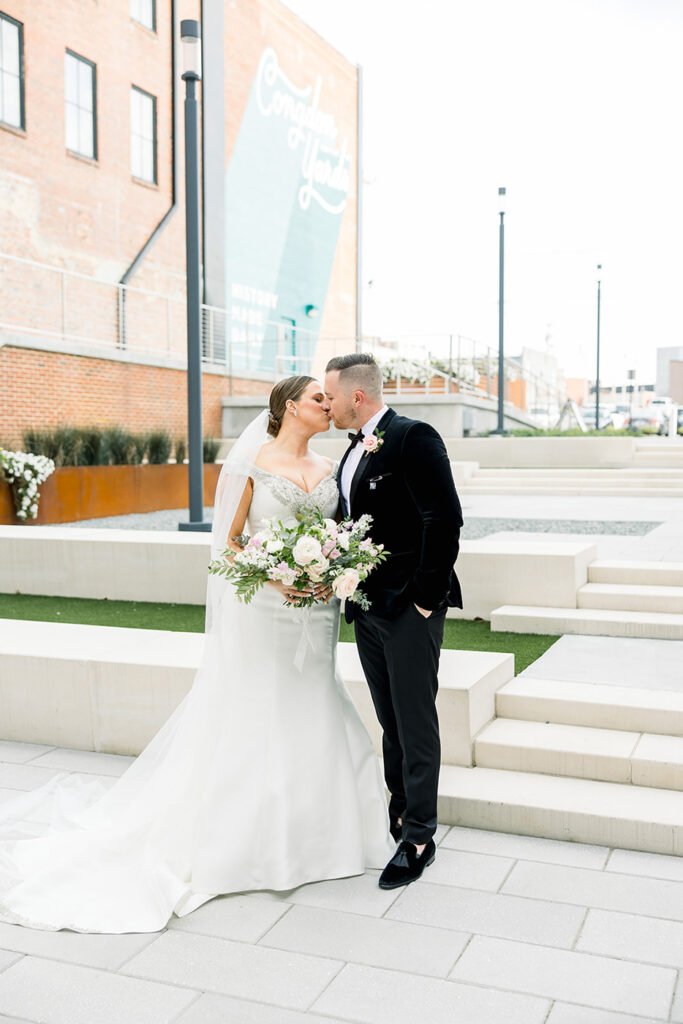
pixel 92 217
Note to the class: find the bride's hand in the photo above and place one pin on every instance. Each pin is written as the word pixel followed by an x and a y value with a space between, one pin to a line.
pixel 291 595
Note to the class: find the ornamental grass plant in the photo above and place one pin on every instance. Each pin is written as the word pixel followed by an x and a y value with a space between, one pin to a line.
pixel 159 446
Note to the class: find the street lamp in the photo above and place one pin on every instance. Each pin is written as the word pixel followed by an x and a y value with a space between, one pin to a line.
pixel 597 368
pixel 501 305
pixel 190 38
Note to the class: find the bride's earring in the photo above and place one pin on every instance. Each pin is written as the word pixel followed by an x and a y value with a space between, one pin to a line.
pixel 293 411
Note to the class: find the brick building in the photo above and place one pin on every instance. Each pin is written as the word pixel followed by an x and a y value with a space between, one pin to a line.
pixel 92 247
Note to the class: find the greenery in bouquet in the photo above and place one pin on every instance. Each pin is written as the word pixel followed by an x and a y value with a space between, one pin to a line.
pixel 301 552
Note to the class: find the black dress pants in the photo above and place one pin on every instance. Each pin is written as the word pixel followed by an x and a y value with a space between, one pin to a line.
pixel 400 659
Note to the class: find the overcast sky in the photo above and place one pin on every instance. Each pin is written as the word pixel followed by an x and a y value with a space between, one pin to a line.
pixel 575 107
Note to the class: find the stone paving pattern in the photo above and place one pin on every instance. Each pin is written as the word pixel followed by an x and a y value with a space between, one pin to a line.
pixel 502 929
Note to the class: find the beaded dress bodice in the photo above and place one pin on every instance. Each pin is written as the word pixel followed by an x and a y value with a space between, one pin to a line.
pixel 276 495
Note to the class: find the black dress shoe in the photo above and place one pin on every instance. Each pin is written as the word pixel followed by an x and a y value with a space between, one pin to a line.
pixel 395 829
pixel 406 865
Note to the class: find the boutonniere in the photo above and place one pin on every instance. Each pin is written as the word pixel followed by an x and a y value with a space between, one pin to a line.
pixel 372 443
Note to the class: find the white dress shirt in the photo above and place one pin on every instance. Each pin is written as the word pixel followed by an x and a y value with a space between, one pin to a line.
pixel 351 464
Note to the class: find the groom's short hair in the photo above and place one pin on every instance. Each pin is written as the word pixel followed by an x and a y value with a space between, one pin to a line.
pixel 358 370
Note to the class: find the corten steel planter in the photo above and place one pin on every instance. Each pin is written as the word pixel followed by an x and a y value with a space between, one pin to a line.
pixel 73 493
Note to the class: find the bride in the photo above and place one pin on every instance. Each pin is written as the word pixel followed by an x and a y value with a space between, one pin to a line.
pixel 263 777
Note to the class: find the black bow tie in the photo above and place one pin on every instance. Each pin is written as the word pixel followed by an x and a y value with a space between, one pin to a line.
pixel 355 438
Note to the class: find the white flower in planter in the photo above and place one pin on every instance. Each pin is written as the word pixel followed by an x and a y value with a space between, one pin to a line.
pixel 24 472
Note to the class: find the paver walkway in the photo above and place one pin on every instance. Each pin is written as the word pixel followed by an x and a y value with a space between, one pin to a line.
pixel 502 929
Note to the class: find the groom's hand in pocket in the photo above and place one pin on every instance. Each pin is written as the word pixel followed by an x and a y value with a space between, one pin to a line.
pixel 423 611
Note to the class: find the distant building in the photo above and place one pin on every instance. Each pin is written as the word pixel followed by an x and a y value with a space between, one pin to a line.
pixel 577 389
pixel 670 373
pixel 92 239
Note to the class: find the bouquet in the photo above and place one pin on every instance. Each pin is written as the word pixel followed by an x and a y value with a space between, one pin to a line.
pixel 301 551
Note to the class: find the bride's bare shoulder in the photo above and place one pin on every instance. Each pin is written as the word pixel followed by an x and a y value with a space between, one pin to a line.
pixel 264 458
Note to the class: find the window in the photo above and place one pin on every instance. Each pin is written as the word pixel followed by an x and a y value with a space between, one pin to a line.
pixel 11 72
pixel 80 94
pixel 144 12
pixel 143 135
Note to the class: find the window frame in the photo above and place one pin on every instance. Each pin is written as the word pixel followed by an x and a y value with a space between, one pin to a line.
pixel 93 67
pixel 22 102
pixel 149 28
pixel 155 169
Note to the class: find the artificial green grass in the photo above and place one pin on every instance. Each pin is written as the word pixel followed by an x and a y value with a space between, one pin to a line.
pixel 459 634
pixel 466 635
pixel 86 611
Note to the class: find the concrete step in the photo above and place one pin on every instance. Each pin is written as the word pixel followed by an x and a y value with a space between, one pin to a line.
pixel 593 473
pixel 593 705
pixel 111 689
pixel 588 490
pixel 580 810
pixel 582 752
pixel 553 749
pixel 662 574
pixel 635 597
pixel 672 459
pixel 587 621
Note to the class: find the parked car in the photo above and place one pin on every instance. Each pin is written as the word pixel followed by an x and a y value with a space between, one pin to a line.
pixel 648 419
pixel 541 413
pixel 606 416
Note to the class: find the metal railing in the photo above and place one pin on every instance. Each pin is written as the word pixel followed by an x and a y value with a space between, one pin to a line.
pixel 37 299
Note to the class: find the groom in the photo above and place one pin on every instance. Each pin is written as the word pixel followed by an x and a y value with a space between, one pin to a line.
pixel 397 470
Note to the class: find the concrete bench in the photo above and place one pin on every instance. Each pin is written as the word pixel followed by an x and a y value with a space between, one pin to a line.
pixel 139 565
pixel 110 689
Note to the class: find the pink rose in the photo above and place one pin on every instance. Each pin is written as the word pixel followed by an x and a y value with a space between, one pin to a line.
pixel 346 583
pixel 328 546
pixel 370 443
pixel 334 554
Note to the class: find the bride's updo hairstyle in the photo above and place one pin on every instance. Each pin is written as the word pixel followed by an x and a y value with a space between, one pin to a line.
pixel 288 390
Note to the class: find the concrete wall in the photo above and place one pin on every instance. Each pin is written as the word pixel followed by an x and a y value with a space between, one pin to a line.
pixel 452 415
pixel 544 452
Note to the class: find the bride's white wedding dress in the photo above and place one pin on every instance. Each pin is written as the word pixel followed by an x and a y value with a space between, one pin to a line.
pixel 264 777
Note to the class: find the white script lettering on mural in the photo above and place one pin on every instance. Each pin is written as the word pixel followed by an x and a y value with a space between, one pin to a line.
pixel 311 128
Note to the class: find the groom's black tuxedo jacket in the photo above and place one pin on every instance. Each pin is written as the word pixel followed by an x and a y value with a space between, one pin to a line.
pixel 406 485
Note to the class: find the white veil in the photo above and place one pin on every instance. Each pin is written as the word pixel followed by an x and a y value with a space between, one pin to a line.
pixel 229 490
pixel 109 856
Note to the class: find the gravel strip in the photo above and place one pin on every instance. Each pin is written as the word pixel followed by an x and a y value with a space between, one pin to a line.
pixel 476 528
pixel 168 519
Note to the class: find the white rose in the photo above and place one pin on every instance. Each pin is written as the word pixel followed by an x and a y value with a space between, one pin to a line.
pixel 307 549
pixel 343 541
pixel 273 546
pixel 346 583
pixel 331 527
pixel 316 569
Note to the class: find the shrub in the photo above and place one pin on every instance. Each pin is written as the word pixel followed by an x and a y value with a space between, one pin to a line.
pixel 159 447
pixel 90 453
pixel 211 447
pixel 180 449
pixel 121 448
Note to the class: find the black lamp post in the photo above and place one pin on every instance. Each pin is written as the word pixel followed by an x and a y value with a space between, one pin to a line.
pixel 190 37
pixel 597 367
pixel 501 306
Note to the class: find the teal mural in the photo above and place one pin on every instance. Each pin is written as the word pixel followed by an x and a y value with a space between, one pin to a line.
pixel 286 189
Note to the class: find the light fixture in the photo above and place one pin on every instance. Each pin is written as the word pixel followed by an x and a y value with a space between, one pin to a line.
pixel 312 311
pixel 191 44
